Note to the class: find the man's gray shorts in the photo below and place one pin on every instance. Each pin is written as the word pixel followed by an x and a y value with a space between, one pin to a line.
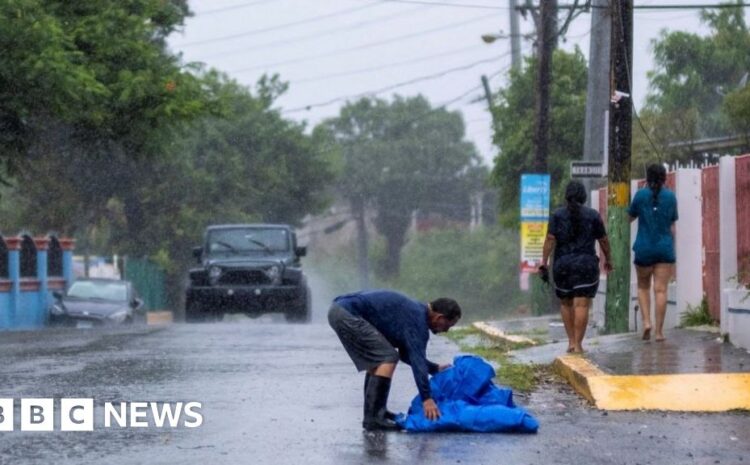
pixel 366 346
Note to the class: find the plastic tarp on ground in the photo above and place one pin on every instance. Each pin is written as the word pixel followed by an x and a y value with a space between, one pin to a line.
pixel 469 401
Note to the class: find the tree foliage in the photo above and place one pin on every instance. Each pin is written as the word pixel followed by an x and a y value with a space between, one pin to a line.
pixel 96 70
pixel 399 157
pixel 737 108
pixel 515 116
pixel 108 137
pixel 694 74
pixel 478 269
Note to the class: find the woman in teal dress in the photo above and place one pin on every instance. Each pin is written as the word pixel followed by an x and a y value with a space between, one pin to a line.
pixel 655 207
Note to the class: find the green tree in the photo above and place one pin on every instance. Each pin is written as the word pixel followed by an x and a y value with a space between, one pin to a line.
pixel 693 74
pixel 479 269
pixel 399 157
pixel 245 164
pixel 118 143
pixel 96 70
pixel 737 108
pixel 515 115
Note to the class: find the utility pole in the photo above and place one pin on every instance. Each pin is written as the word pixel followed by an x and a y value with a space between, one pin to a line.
pixel 515 36
pixel 546 40
pixel 618 198
pixel 490 105
pixel 597 88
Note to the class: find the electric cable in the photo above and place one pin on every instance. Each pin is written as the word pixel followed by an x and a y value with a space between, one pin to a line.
pixel 232 7
pixel 385 66
pixel 280 26
pixel 361 47
pixel 395 86
pixel 458 5
pixel 315 35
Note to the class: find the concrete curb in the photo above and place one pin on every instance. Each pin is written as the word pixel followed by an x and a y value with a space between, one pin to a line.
pixel 693 392
pixel 499 334
pixel 687 392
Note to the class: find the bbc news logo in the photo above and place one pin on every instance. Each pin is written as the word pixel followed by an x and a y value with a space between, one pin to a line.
pixel 79 414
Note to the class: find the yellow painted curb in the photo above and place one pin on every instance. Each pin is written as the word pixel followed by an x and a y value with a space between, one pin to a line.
pixel 497 333
pixel 696 392
pixel 577 371
pixel 159 318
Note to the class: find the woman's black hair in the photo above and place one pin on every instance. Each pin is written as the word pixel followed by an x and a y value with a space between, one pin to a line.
pixel 575 196
pixel 656 176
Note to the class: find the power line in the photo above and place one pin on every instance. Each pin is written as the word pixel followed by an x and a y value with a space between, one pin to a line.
pixel 462 5
pixel 386 66
pixel 396 86
pixel 475 88
pixel 281 26
pixel 361 47
pixel 575 6
pixel 315 35
pixel 693 6
pixel 233 7
pixel 684 6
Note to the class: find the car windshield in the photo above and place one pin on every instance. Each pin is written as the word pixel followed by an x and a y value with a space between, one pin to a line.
pixel 248 240
pixel 102 290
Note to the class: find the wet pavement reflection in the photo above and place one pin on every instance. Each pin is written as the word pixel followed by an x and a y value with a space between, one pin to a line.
pixel 684 351
pixel 274 393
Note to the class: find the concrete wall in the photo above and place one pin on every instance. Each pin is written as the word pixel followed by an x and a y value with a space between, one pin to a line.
pixel 24 301
pixel 688 244
pixel 737 312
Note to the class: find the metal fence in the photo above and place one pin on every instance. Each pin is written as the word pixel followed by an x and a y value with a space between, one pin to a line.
pixel 149 280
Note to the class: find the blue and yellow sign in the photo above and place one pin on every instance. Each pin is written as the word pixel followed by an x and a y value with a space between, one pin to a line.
pixel 535 194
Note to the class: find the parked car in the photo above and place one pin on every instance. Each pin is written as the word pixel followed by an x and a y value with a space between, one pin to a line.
pixel 251 269
pixel 97 302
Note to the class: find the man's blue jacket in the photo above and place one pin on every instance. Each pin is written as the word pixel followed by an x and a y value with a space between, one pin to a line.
pixel 469 401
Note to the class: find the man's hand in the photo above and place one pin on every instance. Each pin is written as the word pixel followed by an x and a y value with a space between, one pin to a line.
pixel 444 367
pixel 431 410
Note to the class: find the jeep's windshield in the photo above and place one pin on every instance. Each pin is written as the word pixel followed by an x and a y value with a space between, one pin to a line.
pixel 232 241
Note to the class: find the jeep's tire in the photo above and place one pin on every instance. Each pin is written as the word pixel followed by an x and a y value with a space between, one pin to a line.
pixel 195 312
pixel 300 311
pixel 297 315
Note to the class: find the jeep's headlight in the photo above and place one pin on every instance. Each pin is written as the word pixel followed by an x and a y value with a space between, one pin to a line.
pixel 274 274
pixel 214 273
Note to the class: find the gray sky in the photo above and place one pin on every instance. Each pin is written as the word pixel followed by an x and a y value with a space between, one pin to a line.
pixel 332 49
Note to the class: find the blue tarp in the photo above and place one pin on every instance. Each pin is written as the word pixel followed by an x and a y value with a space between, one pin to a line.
pixel 469 401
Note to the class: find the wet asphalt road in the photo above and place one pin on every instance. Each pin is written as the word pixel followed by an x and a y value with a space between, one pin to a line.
pixel 274 393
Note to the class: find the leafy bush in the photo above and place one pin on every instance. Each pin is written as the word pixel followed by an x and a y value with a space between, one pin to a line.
pixel 479 269
pixel 696 316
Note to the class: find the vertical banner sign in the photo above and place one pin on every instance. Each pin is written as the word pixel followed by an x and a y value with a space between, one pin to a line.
pixel 535 192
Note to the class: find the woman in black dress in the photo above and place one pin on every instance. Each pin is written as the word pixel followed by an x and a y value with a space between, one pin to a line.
pixel 572 233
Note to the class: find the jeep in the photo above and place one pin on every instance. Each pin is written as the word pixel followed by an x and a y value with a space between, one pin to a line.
pixel 248 268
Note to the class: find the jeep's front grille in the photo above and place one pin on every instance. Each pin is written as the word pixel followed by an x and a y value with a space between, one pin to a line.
pixel 244 277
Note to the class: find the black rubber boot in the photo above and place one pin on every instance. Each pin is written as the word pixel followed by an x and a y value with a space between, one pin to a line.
pixel 376 397
pixel 388 414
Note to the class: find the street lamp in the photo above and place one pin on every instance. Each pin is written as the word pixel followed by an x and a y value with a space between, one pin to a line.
pixel 490 38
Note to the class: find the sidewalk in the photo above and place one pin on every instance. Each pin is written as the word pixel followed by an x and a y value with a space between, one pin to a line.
pixel 693 370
